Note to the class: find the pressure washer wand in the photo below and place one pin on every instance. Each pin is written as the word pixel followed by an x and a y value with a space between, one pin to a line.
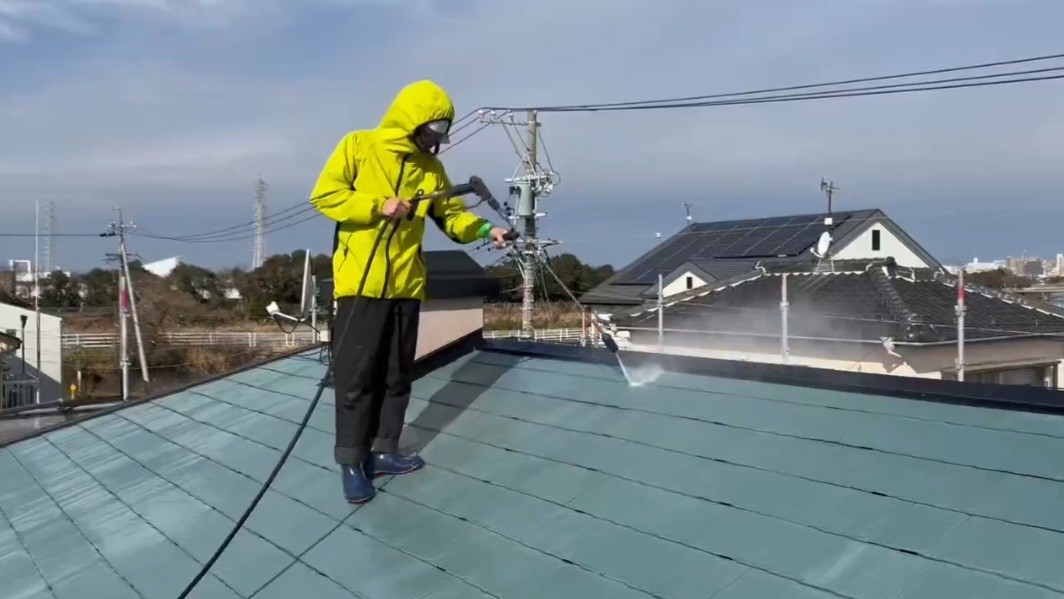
pixel 476 186
pixel 607 339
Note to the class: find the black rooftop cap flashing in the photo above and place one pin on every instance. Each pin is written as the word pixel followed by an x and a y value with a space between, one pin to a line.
pixel 1006 397
pixel 451 274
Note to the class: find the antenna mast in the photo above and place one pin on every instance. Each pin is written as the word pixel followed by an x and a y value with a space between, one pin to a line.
pixel 50 262
pixel 259 252
pixel 828 187
pixel 687 208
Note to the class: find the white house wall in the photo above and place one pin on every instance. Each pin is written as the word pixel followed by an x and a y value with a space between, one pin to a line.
pixel 51 371
pixel 852 357
pixel 889 245
pixel 921 362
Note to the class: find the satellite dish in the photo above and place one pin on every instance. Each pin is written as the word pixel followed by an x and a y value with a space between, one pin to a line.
pixel 823 244
pixel 306 294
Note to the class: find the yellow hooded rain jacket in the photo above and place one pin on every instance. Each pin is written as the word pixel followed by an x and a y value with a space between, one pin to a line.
pixel 365 169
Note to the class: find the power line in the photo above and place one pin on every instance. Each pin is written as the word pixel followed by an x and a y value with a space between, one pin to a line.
pixel 239 231
pixel 849 93
pixel 246 235
pixel 701 100
pixel 53 235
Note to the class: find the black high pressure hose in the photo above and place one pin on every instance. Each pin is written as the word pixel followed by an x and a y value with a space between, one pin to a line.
pixel 299 430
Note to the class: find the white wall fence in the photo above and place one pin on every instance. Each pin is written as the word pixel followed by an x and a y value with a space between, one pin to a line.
pixel 242 339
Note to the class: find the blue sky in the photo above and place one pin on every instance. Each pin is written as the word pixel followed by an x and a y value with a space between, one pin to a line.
pixel 170 109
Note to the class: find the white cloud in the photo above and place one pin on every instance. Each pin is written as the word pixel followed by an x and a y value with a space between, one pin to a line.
pixel 26 17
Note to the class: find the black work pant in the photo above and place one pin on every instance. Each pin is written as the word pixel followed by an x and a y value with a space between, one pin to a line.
pixel 373 370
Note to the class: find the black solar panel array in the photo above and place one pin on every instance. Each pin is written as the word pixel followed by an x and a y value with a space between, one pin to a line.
pixel 757 238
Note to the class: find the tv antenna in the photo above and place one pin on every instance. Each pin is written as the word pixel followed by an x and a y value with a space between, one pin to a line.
pixel 823 245
pixel 687 208
pixel 823 250
pixel 828 187
pixel 308 307
pixel 308 303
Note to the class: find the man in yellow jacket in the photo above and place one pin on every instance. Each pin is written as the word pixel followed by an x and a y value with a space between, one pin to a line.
pixel 366 187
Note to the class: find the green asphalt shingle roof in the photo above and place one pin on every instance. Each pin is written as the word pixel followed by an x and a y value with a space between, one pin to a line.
pixel 546 478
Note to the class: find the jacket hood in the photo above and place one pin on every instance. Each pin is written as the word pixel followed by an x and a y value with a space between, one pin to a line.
pixel 414 105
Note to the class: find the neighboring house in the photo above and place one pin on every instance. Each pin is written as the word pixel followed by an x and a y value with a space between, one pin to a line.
pixel 839 320
pixel 50 375
pixel 705 253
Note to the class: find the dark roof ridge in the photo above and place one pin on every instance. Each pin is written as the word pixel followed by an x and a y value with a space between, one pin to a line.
pixel 800 215
pixel 910 323
pixel 1017 398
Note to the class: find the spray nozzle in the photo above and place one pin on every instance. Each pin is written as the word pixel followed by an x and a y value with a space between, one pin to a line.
pixel 608 341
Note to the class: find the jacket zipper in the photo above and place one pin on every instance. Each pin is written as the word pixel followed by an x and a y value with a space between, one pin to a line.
pixel 395 228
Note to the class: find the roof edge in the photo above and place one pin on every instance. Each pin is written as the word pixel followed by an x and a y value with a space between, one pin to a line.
pixel 1018 398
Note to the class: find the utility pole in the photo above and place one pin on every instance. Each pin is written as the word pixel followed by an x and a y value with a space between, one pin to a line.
pixel 127 300
pixel 527 212
pixel 960 325
pixel 259 252
pixel 661 314
pixel 785 345
pixel 37 290
pixel 123 319
pixel 535 184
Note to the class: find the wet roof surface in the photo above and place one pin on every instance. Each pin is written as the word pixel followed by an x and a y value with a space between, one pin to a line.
pixel 545 479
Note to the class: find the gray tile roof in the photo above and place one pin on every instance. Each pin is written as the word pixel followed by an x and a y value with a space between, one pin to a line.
pixel 546 478
pixel 728 249
pixel 860 300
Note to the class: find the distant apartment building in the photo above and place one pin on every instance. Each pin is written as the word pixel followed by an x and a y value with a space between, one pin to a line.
pixel 1026 266
pixel 976 266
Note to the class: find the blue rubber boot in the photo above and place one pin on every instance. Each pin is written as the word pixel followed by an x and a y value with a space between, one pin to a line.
pixel 392 464
pixel 357 487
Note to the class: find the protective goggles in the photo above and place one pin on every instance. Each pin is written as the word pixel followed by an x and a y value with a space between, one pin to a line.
pixel 440 128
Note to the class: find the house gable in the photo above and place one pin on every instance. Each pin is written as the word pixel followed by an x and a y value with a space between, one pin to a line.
pixel 878 240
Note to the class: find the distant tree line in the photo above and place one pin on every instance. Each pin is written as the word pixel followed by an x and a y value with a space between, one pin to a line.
pixel 577 276
pixel 203 296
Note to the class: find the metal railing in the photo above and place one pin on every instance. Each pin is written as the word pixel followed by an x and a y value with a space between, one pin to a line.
pixel 278 338
pixel 574 336
pixel 200 338
pixel 17 391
